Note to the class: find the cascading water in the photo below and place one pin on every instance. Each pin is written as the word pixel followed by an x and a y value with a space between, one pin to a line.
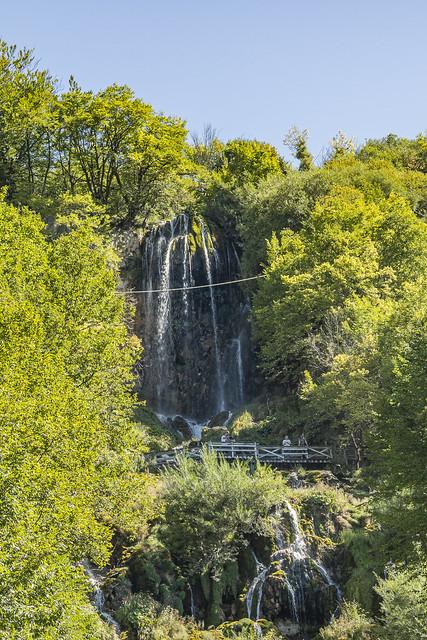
pixel 163 335
pixel 220 380
pixel 302 573
pixel 196 341
pixel 98 597
pixel 256 588
pixel 300 551
pixel 240 369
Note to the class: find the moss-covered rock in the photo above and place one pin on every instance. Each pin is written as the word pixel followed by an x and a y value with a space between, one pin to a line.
pixel 156 436
pixel 213 434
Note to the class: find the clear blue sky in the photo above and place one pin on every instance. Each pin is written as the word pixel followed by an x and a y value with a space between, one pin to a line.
pixel 251 68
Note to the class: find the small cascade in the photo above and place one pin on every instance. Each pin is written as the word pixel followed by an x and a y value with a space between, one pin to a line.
pixel 196 340
pixel 192 605
pixel 240 370
pixel 98 597
pixel 301 574
pixel 256 589
pixel 220 380
pixel 229 418
pixel 301 549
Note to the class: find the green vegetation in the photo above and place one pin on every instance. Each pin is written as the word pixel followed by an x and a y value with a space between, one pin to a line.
pixel 353 624
pixel 109 145
pixel 340 326
pixel 193 492
pixel 403 611
pixel 67 464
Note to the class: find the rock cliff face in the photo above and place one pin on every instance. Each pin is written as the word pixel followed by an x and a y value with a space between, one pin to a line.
pixel 196 341
pixel 295 590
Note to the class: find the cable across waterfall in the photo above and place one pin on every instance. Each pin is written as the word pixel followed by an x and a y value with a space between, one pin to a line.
pixel 196 342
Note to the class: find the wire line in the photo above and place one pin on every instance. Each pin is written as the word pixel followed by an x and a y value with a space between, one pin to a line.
pixel 198 286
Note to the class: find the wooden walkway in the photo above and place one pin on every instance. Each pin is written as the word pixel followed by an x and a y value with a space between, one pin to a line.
pixel 276 456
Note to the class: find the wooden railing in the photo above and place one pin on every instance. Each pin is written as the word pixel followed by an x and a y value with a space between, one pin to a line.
pixel 277 456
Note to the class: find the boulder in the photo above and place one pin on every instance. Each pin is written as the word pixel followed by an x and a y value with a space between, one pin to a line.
pixel 219 420
pixel 180 424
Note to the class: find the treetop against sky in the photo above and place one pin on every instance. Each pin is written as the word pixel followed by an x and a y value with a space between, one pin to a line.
pixel 252 69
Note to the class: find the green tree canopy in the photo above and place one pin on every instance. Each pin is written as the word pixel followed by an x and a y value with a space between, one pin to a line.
pixel 211 508
pixel 348 248
pixel 66 437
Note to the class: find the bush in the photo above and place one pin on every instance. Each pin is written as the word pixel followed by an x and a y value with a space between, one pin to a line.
pixel 211 508
pixel 353 624
pixel 404 604
pixel 151 622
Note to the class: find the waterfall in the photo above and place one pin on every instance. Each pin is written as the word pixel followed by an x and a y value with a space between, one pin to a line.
pixel 220 381
pixel 163 333
pixel 192 605
pixel 240 370
pixel 299 568
pixel 98 597
pixel 194 362
pixel 256 589
pixel 300 551
pixel 187 275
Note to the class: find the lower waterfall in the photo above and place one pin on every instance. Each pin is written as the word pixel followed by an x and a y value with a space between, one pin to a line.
pixel 256 588
pixel 98 597
pixel 298 569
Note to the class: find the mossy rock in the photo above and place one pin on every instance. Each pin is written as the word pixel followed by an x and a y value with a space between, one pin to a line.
pixel 195 236
pixel 156 436
pixel 213 434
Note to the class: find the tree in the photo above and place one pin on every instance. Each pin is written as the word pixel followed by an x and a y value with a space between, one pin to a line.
pixel 121 151
pixel 352 624
pixel 296 140
pixel 348 249
pixel 399 436
pixel 207 150
pixel 404 603
pixel 341 146
pixel 250 161
pixel 26 123
pixel 67 470
pixel 211 508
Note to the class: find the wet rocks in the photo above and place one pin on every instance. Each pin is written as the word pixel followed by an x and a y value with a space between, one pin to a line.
pixel 197 351
pixel 181 425
pixel 219 420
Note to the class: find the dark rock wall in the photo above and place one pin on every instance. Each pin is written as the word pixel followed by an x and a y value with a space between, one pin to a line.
pixel 196 342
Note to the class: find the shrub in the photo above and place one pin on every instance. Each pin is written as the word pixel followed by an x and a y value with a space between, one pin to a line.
pixel 404 604
pixel 353 624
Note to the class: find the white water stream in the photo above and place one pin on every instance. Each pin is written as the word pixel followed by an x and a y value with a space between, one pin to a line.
pixel 240 371
pixel 295 558
pixel 220 381
pixel 98 597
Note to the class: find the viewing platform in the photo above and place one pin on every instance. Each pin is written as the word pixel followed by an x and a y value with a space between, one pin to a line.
pixel 278 456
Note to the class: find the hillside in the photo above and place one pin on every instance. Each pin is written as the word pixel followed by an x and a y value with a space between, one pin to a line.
pixel 158 294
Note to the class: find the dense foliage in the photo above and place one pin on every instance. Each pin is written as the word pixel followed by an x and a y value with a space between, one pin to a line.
pixel 66 441
pixel 340 326
pixel 193 492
